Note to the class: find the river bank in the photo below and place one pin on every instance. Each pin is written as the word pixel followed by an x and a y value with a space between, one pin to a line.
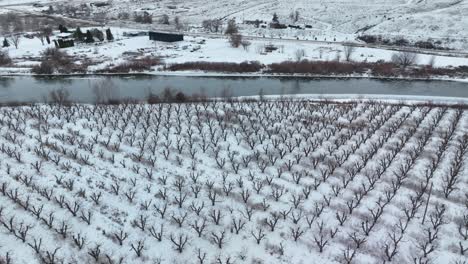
pixel 286 69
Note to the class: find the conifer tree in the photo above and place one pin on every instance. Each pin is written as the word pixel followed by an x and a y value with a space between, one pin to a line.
pixel 109 35
pixel 89 37
pixel 231 28
pixel 6 43
pixel 62 29
pixel 79 34
pixel 275 18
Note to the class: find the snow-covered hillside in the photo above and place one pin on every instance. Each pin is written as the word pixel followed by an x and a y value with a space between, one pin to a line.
pixel 340 19
pixel 420 19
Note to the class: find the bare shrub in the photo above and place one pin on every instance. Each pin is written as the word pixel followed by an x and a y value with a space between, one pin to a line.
pixel 349 51
pixel 4 58
pixel 252 66
pixel 235 40
pixel 294 16
pixel 178 23
pixel 135 65
pixel 54 60
pixel 15 38
pixel 212 25
pixel 44 68
pixel 318 67
pixel 300 54
pixel 123 16
pixel 164 19
pixel 144 18
pixel 246 44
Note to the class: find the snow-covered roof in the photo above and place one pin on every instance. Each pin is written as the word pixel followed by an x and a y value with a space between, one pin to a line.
pixel 64 35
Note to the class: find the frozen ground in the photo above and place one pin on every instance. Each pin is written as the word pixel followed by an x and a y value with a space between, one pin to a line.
pixel 281 181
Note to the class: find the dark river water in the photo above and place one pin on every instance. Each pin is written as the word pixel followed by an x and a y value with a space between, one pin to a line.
pixel 87 89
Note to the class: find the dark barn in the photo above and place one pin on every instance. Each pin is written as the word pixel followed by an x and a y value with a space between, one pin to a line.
pixel 166 37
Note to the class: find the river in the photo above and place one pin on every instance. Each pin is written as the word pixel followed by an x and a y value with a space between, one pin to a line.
pixel 87 89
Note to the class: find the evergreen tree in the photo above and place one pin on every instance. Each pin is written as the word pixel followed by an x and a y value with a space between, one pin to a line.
pixel 62 29
pixel 79 34
pixel 231 28
pixel 89 37
pixel 275 18
pixel 109 35
pixel 6 43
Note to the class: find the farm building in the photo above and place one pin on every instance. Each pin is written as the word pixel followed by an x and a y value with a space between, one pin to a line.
pixel 64 40
pixel 166 37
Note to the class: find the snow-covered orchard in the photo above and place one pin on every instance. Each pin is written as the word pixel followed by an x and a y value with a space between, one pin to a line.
pixel 268 181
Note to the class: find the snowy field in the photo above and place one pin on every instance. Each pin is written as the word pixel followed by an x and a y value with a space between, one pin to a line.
pixel 325 28
pixel 280 181
pixel 210 49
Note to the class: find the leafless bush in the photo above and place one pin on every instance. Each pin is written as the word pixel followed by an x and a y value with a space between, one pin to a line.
pixel 4 58
pixel 54 60
pixel 405 58
pixel 349 50
pixel 300 54
pixel 212 25
pixel 164 19
pixel 144 18
pixel 134 65
pixel 235 40
pixel 217 67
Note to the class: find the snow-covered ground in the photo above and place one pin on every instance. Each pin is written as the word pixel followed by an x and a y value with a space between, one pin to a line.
pixel 211 49
pixel 280 181
pixel 439 20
